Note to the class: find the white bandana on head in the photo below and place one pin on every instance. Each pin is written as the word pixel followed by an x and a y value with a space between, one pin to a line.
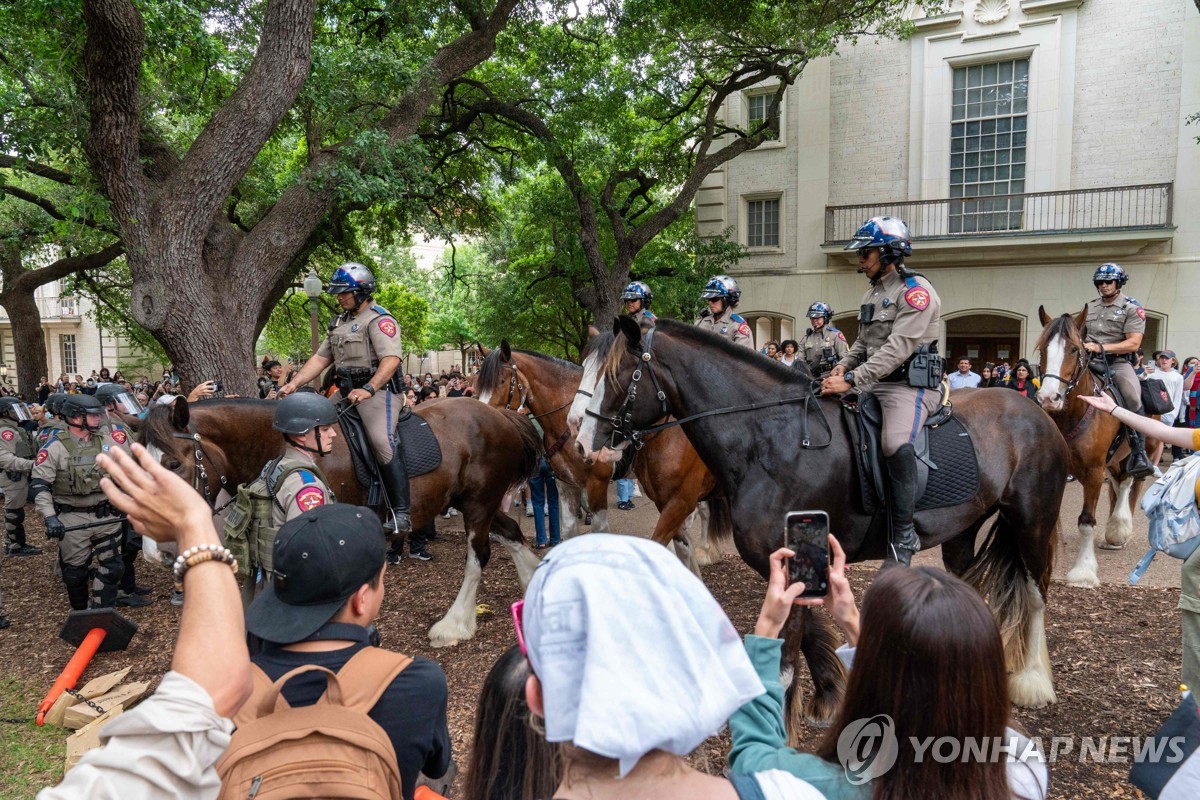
pixel 633 652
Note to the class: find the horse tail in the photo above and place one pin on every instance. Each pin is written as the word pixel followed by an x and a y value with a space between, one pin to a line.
pixel 531 444
pixel 999 575
pixel 720 522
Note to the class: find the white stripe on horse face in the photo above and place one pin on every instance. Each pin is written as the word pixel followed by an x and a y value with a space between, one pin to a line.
pixel 484 396
pixel 1051 395
pixel 591 376
pixel 587 429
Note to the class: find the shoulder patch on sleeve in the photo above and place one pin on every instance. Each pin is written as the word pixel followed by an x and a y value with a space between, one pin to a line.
pixel 7 435
pixel 387 326
pixel 1141 312
pixel 744 329
pixel 917 297
pixel 42 455
pixel 841 336
pixel 310 497
pixel 119 436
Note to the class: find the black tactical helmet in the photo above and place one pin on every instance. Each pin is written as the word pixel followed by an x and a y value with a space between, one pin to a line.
pixel 113 395
pixel 14 409
pixel 54 402
pixel 300 412
pixel 79 405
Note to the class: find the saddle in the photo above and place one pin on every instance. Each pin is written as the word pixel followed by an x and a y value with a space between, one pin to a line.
pixel 947 468
pixel 422 453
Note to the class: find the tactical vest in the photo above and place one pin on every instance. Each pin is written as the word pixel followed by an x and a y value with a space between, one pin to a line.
pixel 249 526
pixel 23 442
pixel 51 429
pixel 82 475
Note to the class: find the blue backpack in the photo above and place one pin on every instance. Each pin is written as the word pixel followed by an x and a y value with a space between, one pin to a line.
pixel 1170 506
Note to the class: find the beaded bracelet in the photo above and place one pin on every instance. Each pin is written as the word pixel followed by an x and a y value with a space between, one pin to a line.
pixel 198 555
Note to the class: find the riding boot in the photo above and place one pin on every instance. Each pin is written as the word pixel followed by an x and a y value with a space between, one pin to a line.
pixel 76 580
pixel 1137 465
pixel 902 481
pixel 395 483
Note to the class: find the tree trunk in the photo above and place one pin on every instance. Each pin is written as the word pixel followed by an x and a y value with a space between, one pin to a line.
pixel 28 344
pixel 603 296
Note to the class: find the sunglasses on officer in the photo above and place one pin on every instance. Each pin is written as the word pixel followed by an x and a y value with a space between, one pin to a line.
pixel 864 253
pixel 1102 283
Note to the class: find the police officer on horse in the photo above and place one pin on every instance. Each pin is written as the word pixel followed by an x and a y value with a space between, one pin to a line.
pixel 823 345
pixel 638 297
pixel 898 321
pixel 1113 334
pixel 364 346
pixel 723 294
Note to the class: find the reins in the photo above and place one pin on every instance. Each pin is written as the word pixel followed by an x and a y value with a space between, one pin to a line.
pixel 622 421
pixel 200 474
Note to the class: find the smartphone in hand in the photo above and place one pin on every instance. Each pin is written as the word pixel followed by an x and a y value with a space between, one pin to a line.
pixel 806 533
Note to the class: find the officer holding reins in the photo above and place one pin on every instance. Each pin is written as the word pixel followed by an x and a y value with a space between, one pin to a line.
pixel 65 488
pixel 1113 332
pixel 895 359
pixel 364 346
pixel 823 345
pixel 722 294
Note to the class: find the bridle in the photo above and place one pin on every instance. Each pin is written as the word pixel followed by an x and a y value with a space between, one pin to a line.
pixel 622 422
pixel 1077 374
pixel 200 474
pixel 517 388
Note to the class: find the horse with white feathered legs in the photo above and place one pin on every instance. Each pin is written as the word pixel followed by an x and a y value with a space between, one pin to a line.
pixel 747 417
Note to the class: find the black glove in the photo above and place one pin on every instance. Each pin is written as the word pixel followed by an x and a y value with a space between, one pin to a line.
pixel 55 529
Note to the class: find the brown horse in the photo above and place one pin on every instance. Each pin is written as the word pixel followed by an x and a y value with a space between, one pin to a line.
pixel 759 458
pixel 1089 434
pixel 485 452
pixel 668 467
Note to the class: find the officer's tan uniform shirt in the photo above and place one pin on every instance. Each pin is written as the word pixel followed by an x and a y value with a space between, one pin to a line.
pixel 730 326
pixel 300 491
pixel 1110 324
pixel 16 459
pixel 812 346
pixel 903 320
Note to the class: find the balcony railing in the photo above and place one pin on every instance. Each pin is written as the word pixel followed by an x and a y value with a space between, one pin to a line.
pixel 1118 208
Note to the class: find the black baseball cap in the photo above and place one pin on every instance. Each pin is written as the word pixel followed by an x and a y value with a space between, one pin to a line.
pixel 319 559
pixel 270 364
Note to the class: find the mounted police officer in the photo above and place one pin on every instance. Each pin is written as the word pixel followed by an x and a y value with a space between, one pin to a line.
pixel 1113 332
pixel 364 346
pixel 52 423
pixel 723 294
pixel 65 488
pixel 823 345
pixel 638 297
pixel 120 406
pixel 895 358
pixel 16 460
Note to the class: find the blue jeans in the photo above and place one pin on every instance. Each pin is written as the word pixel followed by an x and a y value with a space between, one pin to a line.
pixel 625 490
pixel 543 493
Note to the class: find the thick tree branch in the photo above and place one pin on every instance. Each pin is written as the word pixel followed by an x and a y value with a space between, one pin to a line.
pixel 52 210
pixel 34 168
pixel 31 279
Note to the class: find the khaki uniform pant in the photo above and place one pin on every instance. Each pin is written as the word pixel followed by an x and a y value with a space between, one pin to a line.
pixel 1189 607
pixel 905 410
pixel 1128 384
pixel 16 493
pixel 104 542
pixel 379 417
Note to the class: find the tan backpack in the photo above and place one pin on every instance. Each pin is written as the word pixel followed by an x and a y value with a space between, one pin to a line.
pixel 330 749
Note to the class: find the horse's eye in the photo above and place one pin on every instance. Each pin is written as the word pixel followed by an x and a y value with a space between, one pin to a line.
pixel 172 464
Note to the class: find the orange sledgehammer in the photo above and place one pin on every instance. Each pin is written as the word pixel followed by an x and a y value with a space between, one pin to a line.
pixel 96 630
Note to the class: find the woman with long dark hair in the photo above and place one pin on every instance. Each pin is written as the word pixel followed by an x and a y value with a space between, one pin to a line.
pixel 927 655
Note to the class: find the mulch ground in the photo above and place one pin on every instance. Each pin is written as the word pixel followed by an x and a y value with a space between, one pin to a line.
pixel 1115 650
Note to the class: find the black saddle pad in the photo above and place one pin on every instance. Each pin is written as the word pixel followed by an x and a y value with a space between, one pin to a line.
pixel 956 479
pixel 422 453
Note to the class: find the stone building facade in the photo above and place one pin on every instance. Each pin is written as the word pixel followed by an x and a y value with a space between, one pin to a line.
pixel 1024 141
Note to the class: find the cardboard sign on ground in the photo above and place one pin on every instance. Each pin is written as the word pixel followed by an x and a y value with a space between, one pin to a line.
pixel 92 689
pixel 78 716
pixel 88 736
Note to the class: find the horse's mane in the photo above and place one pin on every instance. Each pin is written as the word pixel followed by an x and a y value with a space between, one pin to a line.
pixel 744 355
pixel 1063 327
pixel 157 429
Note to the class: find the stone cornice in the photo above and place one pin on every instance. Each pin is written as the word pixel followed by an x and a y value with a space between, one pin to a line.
pixel 1049 6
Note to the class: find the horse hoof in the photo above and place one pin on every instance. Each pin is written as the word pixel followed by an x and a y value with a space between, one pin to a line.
pixel 1083 583
pixel 440 643
pixel 1110 546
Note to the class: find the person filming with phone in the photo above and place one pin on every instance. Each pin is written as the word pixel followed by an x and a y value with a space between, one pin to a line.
pixel 925 655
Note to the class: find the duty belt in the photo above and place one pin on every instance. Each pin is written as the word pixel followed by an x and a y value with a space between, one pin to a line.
pixel 101 509
pixel 354 377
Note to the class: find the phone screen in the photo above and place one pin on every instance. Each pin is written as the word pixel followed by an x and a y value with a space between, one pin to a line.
pixel 807 535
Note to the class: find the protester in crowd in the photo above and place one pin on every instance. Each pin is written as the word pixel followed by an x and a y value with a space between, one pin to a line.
pixel 510 760
pixel 1189 575
pixel 276 376
pixel 602 609
pixel 987 376
pixel 543 500
pixel 1021 379
pixel 457 386
pixel 328 586
pixel 44 390
pixel 168 745
pixel 927 654
pixel 1168 373
pixel 964 377
pixel 771 349
pixel 788 350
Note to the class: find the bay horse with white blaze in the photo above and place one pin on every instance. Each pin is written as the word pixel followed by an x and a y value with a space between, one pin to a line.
pixel 1065 378
pixel 668 467
pixel 758 459
pixel 485 452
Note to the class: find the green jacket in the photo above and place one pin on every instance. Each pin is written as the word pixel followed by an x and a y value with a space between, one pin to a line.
pixel 760 738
